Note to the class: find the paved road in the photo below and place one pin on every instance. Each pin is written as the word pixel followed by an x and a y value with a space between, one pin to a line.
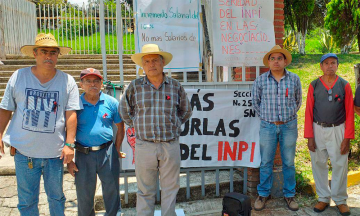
pixel 210 207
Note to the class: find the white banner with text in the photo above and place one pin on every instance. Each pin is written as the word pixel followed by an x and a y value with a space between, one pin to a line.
pixel 173 25
pixel 243 31
pixel 223 131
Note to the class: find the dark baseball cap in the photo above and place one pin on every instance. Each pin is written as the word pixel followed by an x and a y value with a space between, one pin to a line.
pixel 328 55
pixel 90 71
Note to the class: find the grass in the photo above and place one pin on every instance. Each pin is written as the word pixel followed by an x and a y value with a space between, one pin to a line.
pixel 92 45
pixel 308 69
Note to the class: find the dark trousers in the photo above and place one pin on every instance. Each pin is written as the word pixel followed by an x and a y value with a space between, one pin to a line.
pixel 105 163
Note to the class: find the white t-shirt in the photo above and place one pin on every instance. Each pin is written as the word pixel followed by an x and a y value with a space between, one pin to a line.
pixel 37 128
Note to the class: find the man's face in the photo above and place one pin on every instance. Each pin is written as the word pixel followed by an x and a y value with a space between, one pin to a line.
pixel 91 84
pixel 329 66
pixel 46 57
pixel 153 64
pixel 277 61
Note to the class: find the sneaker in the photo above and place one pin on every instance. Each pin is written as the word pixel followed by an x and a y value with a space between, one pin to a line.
pixel 260 203
pixel 320 206
pixel 343 209
pixel 291 203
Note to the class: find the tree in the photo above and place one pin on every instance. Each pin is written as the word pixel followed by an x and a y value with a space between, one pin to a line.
pixel 343 21
pixel 297 15
pixel 318 15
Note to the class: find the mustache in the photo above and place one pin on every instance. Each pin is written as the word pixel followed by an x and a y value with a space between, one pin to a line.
pixel 49 61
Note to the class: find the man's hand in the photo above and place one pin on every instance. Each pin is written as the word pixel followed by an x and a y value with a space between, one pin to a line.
pixel 67 153
pixel 345 146
pixel 2 150
pixel 72 168
pixel 121 154
pixel 311 144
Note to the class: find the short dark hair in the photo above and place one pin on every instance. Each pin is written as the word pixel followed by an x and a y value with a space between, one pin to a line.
pixel 281 54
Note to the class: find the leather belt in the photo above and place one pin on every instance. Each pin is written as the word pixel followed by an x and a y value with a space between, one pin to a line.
pixel 323 124
pixel 86 150
pixel 277 123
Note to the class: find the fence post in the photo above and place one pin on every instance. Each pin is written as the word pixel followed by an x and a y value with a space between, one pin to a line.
pixel 357 74
pixel 119 34
pixel 102 39
pixel 2 37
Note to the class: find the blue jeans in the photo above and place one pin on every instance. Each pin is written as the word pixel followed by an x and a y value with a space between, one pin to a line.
pixel 28 184
pixel 105 163
pixel 270 135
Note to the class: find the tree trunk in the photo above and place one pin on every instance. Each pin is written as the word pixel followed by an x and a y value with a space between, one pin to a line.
pixel 358 37
pixel 302 43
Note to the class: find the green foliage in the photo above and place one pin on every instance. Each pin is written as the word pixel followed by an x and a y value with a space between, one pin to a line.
pixel 290 42
pixel 297 15
pixel 343 20
pixel 327 42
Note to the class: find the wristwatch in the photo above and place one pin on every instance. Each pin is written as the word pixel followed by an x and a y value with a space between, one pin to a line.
pixel 72 145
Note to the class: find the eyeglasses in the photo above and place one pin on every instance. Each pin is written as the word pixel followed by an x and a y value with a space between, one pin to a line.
pixel 330 94
pixel 88 82
pixel 278 58
pixel 52 53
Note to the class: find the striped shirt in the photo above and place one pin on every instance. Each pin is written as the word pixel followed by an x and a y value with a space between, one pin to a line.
pixel 156 114
pixel 277 101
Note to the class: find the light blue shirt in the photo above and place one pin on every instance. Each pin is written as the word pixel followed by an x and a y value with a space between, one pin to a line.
pixel 37 128
pixel 95 122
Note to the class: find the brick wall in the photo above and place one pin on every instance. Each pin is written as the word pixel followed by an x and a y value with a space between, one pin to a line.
pixel 253 174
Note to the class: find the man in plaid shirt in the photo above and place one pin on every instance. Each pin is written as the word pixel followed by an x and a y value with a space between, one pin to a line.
pixel 156 106
pixel 276 99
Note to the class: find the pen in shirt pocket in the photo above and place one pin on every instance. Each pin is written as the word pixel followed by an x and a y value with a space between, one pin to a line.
pixel 287 92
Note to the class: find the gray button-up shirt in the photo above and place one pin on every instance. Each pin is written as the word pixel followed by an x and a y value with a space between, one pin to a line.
pixel 156 114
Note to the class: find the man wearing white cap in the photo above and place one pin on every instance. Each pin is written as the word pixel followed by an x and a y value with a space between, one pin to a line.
pixel 43 101
pixel 276 99
pixel 329 126
pixel 156 106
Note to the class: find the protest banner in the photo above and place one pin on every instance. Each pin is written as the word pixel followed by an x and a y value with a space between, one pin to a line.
pixel 243 31
pixel 173 25
pixel 223 131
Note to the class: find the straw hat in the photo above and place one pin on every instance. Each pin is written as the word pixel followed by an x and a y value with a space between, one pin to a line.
pixel 44 40
pixel 277 49
pixel 149 49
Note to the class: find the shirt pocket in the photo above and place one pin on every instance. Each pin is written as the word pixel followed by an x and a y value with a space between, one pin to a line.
pixel 171 103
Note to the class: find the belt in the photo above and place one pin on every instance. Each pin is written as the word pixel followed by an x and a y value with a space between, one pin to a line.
pixel 327 124
pixel 278 123
pixel 86 150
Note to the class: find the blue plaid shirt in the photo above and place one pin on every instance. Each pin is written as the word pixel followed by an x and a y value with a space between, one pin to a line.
pixel 277 101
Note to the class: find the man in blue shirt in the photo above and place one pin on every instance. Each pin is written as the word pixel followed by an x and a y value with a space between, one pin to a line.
pixel 95 151
pixel 276 99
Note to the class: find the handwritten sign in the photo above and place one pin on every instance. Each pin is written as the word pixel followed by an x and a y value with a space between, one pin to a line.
pixel 223 131
pixel 175 26
pixel 243 31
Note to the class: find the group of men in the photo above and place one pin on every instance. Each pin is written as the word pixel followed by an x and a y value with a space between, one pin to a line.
pixel 50 120
pixel 329 126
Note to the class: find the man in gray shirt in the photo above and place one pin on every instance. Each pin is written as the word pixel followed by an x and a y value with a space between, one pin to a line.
pixel 156 106
pixel 43 101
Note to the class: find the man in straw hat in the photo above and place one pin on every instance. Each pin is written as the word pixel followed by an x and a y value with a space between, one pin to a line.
pixel 96 153
pixel 43 101
pixel 329 126
pixel 276 98
pixel 156 106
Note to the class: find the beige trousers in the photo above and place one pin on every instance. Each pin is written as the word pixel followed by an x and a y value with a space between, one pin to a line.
pixel 150 158
pixel 328 141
